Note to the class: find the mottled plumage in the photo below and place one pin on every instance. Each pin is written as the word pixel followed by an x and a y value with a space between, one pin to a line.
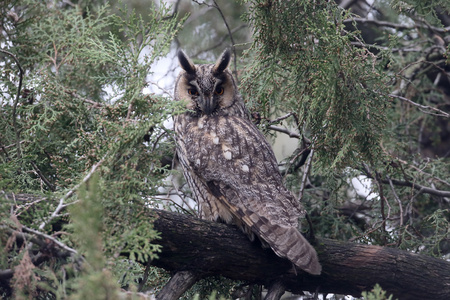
pixel 230 166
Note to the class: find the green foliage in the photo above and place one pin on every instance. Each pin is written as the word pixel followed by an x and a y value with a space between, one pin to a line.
pixel 82 107
pixel 212 296
pixel 86 216
pixel 212 288
pixel 376 293
pixel 304 66
pixel 425 9
pixel 306 58
pixel 95 281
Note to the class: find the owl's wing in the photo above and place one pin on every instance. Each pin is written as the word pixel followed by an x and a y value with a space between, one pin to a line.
pixel 237 167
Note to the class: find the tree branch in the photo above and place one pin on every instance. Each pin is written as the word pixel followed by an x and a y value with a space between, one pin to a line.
pixel 440 113
pixel 396 25
pixel 421 188
pixel 208 248
pixel 177 285
pixel 284 130
pixel 275 291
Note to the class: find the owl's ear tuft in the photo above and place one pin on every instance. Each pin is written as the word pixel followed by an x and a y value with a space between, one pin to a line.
pixel 222 62
pixel 185 63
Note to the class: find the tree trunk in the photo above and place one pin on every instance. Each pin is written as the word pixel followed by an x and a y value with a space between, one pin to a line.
pixel 208 248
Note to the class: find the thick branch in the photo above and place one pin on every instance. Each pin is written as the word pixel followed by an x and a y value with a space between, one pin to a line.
pixel 177 285
pixel 208 248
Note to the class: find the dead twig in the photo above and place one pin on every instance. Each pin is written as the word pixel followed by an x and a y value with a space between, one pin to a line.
pixel 396 198
pixel 50 238
pixel 440 113
pixel 305 173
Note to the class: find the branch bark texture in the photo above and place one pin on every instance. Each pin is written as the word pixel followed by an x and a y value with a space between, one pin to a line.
pixel 208 248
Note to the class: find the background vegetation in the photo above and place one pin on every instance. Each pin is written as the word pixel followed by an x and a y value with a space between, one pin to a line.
pixel 86 146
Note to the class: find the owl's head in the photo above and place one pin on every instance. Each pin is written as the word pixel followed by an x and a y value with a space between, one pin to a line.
pixel 208 89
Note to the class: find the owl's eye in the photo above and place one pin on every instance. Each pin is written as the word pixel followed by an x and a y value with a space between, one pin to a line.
pixel 219 90
pixel 193 92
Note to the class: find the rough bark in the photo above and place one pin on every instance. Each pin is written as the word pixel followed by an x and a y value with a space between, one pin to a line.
pixel 207 248
pixel 179 283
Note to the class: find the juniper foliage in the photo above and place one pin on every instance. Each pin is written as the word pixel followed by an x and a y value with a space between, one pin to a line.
pixel 84 153
pixel 81 108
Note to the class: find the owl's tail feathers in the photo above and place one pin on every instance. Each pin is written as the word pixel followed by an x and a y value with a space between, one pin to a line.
pixel 288 242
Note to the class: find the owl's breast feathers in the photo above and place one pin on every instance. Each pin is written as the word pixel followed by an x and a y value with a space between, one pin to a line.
pixel 234 175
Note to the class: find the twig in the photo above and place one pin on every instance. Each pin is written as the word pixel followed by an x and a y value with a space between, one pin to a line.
pixel 42 176
pixel 416 186
pixel 383 200
pixel 10 146
pixel 232 41
pixel 175 11
pixel 284 130
pixel 21 235
pixel 95 104
pixel 405 49
pixel 440 113
pixel 396 25
pixel 48 237
pixel 170 94
pixel 14 112
pixel 409 206
pixel 396 198
pixel 145 277
pixel 25 206
pixel 305 173
pixel 189 211
pixel 419 187
pixel 281 118
pixel 130 109
pixel 61 204
pixel 220 42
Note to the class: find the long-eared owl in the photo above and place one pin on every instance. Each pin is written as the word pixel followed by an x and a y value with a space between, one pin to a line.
pixel 230 166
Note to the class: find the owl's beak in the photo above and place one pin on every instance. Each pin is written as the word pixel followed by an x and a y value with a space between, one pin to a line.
pixel 207 104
